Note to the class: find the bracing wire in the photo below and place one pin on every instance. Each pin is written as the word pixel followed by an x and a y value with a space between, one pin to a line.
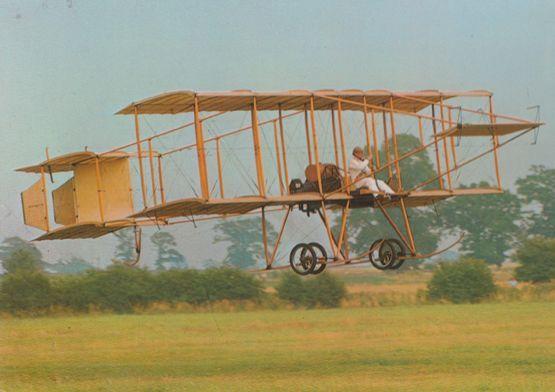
pixel 173 160
pixel 239 165
pixel 243 171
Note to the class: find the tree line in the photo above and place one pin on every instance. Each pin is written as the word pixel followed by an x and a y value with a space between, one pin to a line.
pixel 25 289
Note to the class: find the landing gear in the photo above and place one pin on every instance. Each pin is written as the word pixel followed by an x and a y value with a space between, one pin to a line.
pixel 308 258
pixel 302 259
pixel 387 254
pixel 401 253
pixel 321 257
pixel 311 258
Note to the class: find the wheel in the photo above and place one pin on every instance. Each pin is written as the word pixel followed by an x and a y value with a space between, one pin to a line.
pixel 321 257
pixel 302 259
pixel 401 252
pixel 388 254
pixel 385 256
pixel 374 256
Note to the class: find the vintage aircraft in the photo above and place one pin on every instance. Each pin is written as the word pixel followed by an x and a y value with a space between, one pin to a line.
pixel 100 198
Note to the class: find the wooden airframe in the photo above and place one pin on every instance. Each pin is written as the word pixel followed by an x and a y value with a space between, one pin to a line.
pixel 99 198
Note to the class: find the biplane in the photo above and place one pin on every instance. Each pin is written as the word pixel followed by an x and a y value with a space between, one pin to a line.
pixel 103 194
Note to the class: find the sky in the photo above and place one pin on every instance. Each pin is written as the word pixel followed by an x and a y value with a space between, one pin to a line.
pixel 67 66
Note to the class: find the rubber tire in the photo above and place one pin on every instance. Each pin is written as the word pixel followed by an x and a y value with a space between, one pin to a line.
pixel 376 263
pixel 322 266
pixel 402 252
pixel 305 248
pixel 387 248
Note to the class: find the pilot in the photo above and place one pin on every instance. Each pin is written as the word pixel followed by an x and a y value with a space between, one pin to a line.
pixel 360 172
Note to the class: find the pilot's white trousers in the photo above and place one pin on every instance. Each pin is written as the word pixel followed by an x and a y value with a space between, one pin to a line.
pixel 374 185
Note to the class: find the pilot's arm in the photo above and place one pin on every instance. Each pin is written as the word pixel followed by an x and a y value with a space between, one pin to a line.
pixel 360 167
pixel 366 169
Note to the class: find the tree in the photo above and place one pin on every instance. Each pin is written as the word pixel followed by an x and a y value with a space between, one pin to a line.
pixel 538 190
pixel 489 222
pixel 12 244
pixel 367 225
pixel 22 259
pixel 126 244
pixel 244 235
pixel 466 280
pixel 168 256
pixel 415 169
pixel 537 260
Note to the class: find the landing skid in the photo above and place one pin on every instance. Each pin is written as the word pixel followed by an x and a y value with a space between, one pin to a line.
pixel 137 237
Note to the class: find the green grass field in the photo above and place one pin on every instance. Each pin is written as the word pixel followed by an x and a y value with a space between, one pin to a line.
pixel 495 347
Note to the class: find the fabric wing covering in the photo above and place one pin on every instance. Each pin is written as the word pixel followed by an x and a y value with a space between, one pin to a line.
pixel 241 100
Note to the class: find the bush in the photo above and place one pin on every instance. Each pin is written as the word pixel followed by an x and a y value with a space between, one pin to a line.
pixel 467 280
pixel 291 288
pixel 119 289
pixel 180 286
pixel 232 284
pixel 73 292
pixel 323 290
pixel 25 291
pixel 537 260
pixel 123 289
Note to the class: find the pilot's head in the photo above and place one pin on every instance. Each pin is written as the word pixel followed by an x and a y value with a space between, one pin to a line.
pixel 358 152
